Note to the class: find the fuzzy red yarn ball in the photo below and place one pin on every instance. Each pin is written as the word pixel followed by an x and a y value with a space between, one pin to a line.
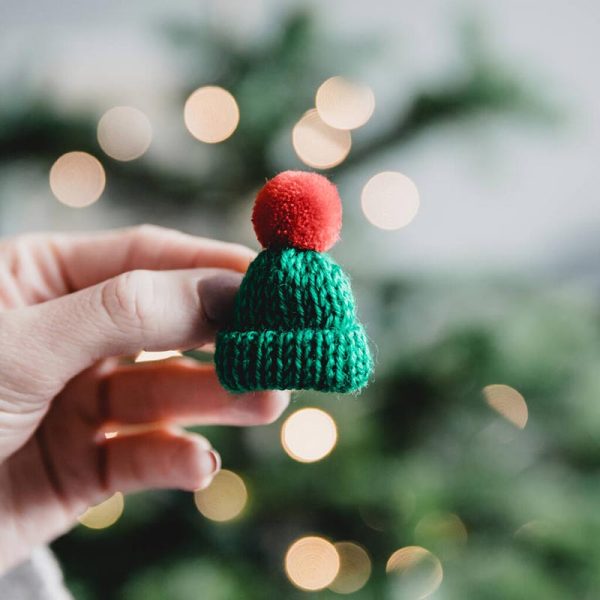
pixel 300 210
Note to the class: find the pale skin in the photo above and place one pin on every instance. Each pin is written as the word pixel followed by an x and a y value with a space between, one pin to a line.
pixel 70 304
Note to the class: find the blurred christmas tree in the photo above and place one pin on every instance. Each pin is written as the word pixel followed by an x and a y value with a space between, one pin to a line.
pixel 273 83
pixel 422 461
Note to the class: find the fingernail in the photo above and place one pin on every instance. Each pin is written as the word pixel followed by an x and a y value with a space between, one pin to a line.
pixel 217 295
pixel 203 444
pixel 216 457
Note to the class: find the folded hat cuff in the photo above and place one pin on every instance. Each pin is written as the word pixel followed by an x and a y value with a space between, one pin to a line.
pixel 332 360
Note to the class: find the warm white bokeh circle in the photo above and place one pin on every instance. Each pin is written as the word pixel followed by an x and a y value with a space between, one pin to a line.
pixel 390 200
pixel 344 104
pixel 507 402
pixel 441 526
pixel 77 179
pixel 312 563
pixel 418 572
pixel 355 568
pixel 145 356
pixel 104 514
pixel 211 114
pixel 309 435
pixel 319 145
pixel 224 499
pixel 124 133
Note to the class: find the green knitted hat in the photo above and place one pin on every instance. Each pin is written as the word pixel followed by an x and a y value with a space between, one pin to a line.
pixel 294 324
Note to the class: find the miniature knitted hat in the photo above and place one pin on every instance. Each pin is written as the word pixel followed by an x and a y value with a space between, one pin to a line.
pixel 294 324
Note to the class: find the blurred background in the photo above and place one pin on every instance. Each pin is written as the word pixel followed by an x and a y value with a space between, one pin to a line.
pixel 464 139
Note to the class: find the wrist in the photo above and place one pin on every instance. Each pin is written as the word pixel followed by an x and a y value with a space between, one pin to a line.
pixel 30 513
pixel 11 548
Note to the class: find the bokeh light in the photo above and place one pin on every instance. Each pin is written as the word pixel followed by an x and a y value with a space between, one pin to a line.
pixel 390 200
pixel 211 114
pixel 209 348
pixel 145 356
pixel 537 531
pixel 344 104
pixel 443 532
pixel 309 435
pixel 319 145
pixel 312 563
pixel 441 525
pixel 509 403
pixel 224 499
pixel 77 179
pixel 105 514
pixel 124 133
pixel 355 568
pixel 417 572
pixel 112 430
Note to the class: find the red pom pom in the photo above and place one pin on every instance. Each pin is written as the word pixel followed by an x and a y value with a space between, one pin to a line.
pixel 299 210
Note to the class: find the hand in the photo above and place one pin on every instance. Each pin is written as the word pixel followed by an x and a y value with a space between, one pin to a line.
pixel 68 303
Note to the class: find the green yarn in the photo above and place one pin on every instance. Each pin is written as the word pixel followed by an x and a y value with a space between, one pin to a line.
pixel 294 327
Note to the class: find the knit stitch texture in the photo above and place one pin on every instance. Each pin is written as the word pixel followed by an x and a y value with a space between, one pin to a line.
pixel 294 327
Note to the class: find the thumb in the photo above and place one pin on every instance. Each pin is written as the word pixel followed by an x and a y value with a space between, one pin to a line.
pixel 151 310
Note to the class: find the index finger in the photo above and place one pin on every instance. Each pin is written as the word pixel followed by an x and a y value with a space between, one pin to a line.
pixel 90 258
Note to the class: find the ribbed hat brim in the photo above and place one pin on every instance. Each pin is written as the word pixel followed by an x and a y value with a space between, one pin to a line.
pixel 309 359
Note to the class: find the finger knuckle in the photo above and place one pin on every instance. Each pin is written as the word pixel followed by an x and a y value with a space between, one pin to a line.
pixel 147 230
pixel 128 298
